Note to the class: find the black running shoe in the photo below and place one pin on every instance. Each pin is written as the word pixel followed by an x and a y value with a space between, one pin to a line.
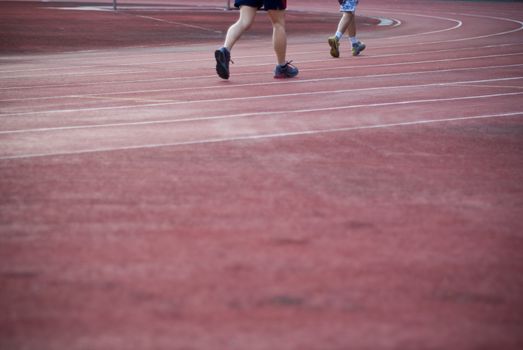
pixel 223 57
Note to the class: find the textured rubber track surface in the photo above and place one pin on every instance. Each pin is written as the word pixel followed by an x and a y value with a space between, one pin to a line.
pixel 374 202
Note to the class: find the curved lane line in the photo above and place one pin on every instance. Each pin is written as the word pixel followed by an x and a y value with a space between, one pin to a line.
pixel 270 113
pixel 267 136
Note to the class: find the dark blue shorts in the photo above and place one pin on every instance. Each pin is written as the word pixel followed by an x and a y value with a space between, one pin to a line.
pixel 267 4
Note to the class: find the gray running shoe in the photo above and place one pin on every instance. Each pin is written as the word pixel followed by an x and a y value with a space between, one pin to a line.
pixel 357 48
pixel 285 71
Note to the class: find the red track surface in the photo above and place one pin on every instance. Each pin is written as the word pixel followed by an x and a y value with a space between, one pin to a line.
pixel 373 203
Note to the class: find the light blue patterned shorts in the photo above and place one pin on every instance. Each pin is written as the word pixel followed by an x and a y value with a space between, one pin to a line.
pixel 349 6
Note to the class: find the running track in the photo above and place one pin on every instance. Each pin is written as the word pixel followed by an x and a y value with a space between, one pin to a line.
pixel 372 203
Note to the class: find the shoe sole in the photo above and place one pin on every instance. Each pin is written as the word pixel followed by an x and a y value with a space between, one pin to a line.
pixel 284 76
pixel 221 67
pixel 335 51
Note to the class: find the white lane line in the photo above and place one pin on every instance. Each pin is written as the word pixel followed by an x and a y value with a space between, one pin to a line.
pixel 265 136
pixel 387 22
pixel 244 98
pixel 106 8
pixel 308 53
pixel 141 8
pixel 180 24
pixel 183 66
pixel 456 26
pixel 114 72
pixel 98 53
pixel 392 64
pixel 492 34
pixel 69 61
pixel 258 114
pixel 492 86
pixel 82 8
pixel 102 73
pixel 54 97
pixel 520 23
pixel 222 100
pixel 209 60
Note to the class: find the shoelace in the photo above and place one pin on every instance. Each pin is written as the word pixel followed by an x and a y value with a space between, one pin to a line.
pixel 288 63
